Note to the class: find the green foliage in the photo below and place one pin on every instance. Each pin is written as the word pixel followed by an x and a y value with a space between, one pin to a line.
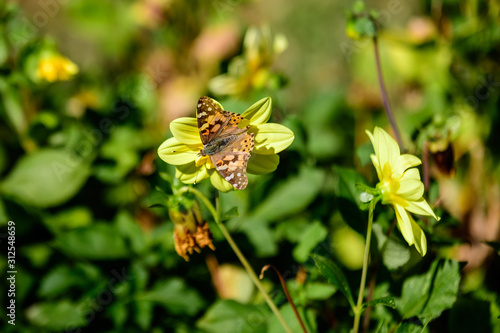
pixel 81 178
pixel 334 275
pixel 44 179
pixel 231 316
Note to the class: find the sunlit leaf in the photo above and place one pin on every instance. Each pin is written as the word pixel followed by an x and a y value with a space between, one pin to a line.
pixel 334 275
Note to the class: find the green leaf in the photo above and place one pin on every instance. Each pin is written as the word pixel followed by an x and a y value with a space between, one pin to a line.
pixel 156 198
pixel 311 236
pixel 387 301
pixel 308 318
pixel 286 199
pixel 174 295
pixel 57 316
pixel 232 213
pixel 348 198
pixel 231 316
pixel 46 178
pixel 319 290
pixel 394 253
pixel 290 197
pixel 143 314
pixel 410 327
pixel 261 236
pixel 130 230
pixel 58 281
pixel 71 218
pixel 12 106
pixel 334 275
pixel 119 313
pixel 444 291
pixel 429 294
pixel 99 241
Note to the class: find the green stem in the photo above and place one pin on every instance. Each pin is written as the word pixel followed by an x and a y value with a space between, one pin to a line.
pixel 385 97
pixel 216 213
pixel 359 305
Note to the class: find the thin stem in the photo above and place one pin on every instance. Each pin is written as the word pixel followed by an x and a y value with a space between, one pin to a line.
pixel 383 91
pixel 371 288
pixel 359 305
pixel 287 294
pixel 203 198
pixel 216 213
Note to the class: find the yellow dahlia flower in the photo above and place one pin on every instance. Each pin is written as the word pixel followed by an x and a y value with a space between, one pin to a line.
pixel 400 186
pixel 183 150
pixel 56 68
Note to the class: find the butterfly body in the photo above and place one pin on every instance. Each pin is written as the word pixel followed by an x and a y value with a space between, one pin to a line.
pixel 217 145
pixel 227 145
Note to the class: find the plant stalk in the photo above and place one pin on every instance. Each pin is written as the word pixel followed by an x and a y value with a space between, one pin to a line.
pixel 216 213
pixel 359 305
pixel 385 97
pixel 287 294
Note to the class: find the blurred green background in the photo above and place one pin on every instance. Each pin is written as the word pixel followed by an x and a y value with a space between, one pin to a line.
pixel 80 173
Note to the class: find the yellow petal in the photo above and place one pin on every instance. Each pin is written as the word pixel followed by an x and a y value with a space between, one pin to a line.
pixel 224 85
pixel 220 183
pixel 176 153
pixel 272 138
pixel 404 162
pixel 190 173
pixel 185 130
pixel 410 189
pixel 385 147
pixel 259 112
pixel 262 164
pixel 404 224
pixel 412 174
pixel 421 207
pixel 377 167
pixel 419 236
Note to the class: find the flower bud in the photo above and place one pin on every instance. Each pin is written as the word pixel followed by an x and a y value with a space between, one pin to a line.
pixel 191 232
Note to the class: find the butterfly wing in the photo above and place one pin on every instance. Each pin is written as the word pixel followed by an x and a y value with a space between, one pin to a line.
pixel 232 162
pixel 214 122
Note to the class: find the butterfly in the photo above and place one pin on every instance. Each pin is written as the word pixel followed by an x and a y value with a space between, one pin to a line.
pixel 227 145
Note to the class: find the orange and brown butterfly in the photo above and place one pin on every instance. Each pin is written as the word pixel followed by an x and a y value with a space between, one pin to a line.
pixel 225 140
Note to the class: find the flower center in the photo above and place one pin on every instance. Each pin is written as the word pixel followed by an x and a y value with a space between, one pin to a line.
pixel 388 186
pixel 204 159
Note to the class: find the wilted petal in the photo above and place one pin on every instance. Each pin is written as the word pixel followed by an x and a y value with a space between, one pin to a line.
pixel 410 189
pixel 185 130
pixel 176 153
pixel 272 138
pixel 403 163
pixel 262 164
pixel 420 239
pixel 421 207
pixel 259 112
pixel 220 183
pixel 404 224
pixel 190 173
